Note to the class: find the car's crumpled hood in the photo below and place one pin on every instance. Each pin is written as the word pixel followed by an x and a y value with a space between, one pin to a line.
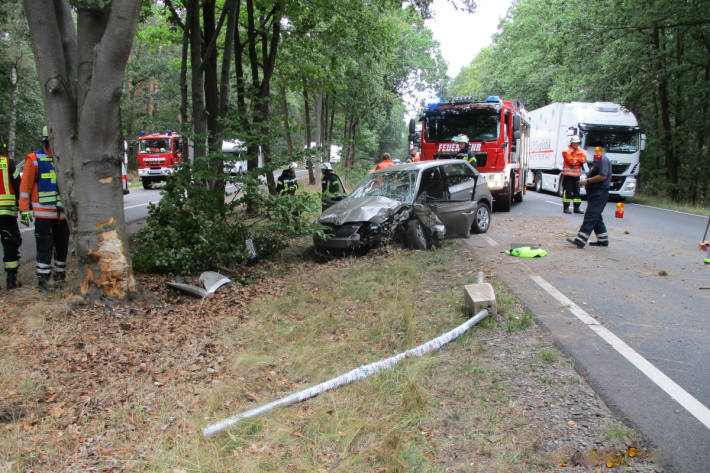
pixel 375 209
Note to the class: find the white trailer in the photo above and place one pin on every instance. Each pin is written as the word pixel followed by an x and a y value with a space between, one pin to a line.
pixel 603 124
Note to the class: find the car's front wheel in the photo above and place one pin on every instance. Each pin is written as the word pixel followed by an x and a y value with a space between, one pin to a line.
pixel 483 219
pixel 415 236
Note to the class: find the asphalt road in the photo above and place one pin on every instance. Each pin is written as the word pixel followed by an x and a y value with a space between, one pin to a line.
pixel 635 317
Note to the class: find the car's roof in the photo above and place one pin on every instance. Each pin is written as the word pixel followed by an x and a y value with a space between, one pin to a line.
pixel 419 165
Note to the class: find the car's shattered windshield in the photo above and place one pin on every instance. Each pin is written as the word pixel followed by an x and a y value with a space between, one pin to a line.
pixel 397 185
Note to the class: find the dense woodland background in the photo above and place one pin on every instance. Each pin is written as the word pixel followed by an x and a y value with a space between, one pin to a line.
pixel 286 73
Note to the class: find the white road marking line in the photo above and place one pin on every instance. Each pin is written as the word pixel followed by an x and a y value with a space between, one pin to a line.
pixel 137 205
pixel 668 210
pixel 490 240
pixel 681 396
pixel 555 203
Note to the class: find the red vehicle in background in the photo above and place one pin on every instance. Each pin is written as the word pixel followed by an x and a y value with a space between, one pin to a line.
pixel 498 132
pixel 157 154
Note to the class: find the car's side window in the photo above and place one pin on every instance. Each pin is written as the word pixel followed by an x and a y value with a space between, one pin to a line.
pixel 461 179
pixel 432 184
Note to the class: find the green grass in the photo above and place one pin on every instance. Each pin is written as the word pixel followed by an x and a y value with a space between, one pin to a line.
pixel 666 203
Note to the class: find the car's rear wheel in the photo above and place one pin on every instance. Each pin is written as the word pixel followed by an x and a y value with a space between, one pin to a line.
pixel 483 219
pixel 415 236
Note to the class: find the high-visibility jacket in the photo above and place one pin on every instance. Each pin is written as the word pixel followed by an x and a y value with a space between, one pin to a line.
pixel 573 161
pixel 39 186
pixel 287 182
pixel 385 163
pixel 330 183
pixel 9 187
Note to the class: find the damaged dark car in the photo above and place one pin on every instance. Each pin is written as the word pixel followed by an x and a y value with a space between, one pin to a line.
pixel 416 204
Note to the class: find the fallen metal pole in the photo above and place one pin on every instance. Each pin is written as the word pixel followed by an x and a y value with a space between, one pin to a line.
pixel 362 371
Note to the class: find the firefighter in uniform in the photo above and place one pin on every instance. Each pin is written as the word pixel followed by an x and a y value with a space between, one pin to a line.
pixel 598 182
pixel 39 191
pixel 465 152
pixel 330 182
pixel 9 231
pixel 332 188
pixel 287 183
pixel 574 158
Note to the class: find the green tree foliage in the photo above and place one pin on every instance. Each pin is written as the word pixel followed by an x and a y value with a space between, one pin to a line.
pixel 653 57
pixel 15 51
pixel 185 233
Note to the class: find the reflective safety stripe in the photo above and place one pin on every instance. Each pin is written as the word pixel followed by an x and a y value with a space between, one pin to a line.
pixel 603 237
pixel 12 264
pixel 42 268
pixel 26 195
pixel 8 211
pixel 60 266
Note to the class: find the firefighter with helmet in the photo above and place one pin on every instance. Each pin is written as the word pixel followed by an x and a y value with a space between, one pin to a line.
pixel 332 187
pixel 9 231
pixel 287 182
pixel 330 182
pixel 574 159
pixel 39 192
pixel 465 152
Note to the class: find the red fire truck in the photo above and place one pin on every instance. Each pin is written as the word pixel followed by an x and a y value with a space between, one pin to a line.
pixel 498 132
pixel 157 154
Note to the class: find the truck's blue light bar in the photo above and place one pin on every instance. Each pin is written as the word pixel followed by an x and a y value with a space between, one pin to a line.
pixel 492 98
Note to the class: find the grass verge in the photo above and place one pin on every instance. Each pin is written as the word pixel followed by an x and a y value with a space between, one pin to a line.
pixel 93 390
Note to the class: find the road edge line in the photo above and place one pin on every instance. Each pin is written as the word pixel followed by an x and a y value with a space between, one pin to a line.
pixel 670 387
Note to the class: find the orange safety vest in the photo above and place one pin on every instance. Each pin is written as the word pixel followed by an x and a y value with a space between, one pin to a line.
pixel 573 161
pixel 39 185
pixel 384 164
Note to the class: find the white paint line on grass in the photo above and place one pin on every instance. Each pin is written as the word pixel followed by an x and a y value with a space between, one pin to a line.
pixel 681 396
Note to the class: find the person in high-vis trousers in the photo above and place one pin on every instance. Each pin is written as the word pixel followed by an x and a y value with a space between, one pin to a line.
pixel 574 159
pixel 9 231
pixel 39 192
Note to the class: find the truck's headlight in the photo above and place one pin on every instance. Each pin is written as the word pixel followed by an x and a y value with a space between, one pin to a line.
pixel 495 181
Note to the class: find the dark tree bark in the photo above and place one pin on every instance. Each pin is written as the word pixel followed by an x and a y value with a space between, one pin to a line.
pixel 81 72
pixel 287 125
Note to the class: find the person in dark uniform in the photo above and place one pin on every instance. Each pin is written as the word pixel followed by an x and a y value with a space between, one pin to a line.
pixel 9 231
pixel 332 187
pixel 597 183
pixel 287 182
pixel 465 151
pixel 330 182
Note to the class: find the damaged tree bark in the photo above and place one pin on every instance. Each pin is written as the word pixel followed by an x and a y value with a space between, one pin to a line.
pixel 80 68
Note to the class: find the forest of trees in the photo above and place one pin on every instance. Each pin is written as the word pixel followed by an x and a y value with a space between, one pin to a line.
pixel 651 56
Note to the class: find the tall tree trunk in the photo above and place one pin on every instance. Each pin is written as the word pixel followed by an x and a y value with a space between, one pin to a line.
pixel 81 70
pixel 287 125
pixel 199 119
pixel 350 128
pixel 307 119
pixel 13 113
pixel 662 90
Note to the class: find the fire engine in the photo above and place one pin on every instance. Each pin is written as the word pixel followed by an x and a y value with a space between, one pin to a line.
pixel 157 155
pixel 498 132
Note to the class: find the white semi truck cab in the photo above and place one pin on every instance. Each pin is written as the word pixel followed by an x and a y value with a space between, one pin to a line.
pixel 605 124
